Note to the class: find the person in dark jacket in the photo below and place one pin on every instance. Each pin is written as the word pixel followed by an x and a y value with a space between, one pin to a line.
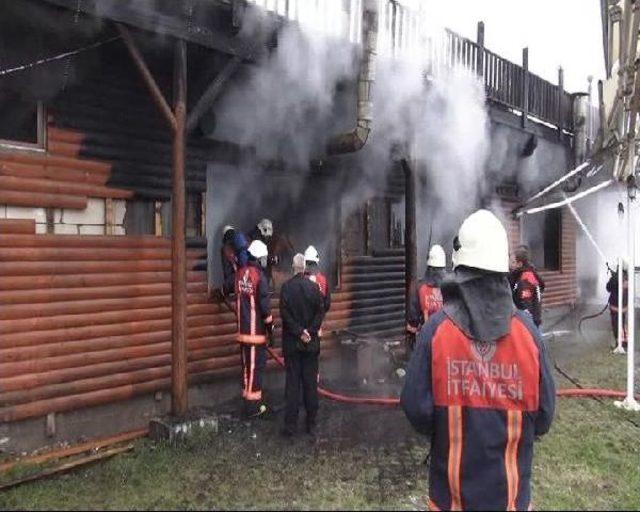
pixel 302 311
pixel 229 260
pixel 479 383
pixel 612 288
pixel 426 300
pixel 527 286
pixel 255 325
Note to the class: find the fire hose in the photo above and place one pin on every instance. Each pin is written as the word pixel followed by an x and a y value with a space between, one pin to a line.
pixel 567 392
pixel 589 317
pixel 391 401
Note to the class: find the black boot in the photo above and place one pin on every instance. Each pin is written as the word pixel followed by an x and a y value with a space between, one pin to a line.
pixel 311 427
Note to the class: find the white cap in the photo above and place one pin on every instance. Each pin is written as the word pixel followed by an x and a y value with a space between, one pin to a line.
pixel 258 249
pixel 311 254
pixel 437 258
pixel 266 228
pixel 298 263
pixel 482 243
pixel 226 229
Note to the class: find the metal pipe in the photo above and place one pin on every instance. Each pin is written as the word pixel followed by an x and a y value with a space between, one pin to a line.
pixel 355 139
pixel 567 201
pixel 630 402
pixel 620 304
pixel 179 389
pixel 558 182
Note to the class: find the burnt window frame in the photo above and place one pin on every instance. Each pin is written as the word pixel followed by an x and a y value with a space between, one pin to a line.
pixel 41 130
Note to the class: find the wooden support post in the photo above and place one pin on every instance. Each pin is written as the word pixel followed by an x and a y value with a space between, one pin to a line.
pixel 109 217
pixel 480 56
pixel 525 86
pixel 213 91
pixel 410 235
pixel 179 402
pixel 149 81
pixel 560 101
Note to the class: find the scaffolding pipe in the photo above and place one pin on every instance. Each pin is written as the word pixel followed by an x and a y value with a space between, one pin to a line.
pixel 567 201
pixel 630 403
pixel 619 348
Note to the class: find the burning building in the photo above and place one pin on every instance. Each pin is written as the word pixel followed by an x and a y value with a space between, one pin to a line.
pixel 133 131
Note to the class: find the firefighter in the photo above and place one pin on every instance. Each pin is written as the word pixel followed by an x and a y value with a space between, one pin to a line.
pixel 479 383
pixel 312 263
pixel 527 286
pixel 612 288
pixel 255 325
pixel 241 248
pixel 280 249
pixel 262 231
pixel 302 310
pixel 426 300
pixel 229 260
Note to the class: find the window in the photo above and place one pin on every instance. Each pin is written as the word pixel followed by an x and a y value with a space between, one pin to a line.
pixel 149 217
pixel 22 122
pixel 542 232
pixel 139 218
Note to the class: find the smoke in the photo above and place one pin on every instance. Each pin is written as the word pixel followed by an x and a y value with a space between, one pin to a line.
pixel 303 91
pixel 284 108
pixel 599 213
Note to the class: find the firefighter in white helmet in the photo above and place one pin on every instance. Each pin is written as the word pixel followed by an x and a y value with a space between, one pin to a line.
pixel 255 325
pixel 479 384
pixel 312 271
pixel 426 299
pixel 280 251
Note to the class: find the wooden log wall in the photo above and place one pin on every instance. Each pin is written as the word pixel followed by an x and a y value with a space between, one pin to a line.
pixel 86 320
pixel 104 139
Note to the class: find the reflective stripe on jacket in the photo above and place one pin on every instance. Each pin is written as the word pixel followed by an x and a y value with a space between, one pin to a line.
pixel 252 303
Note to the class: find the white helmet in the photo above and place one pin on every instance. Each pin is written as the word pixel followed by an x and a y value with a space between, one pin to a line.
pixel 258 249
pixel 482 243
pixel 437 258
pixel 226 229
pixel 266 228
pixel 311 254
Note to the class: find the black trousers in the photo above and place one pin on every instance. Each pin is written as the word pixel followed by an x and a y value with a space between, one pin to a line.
pixel 301 379
pixel 614 327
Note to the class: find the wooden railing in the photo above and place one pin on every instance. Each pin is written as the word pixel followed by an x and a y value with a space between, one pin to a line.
pixel 507 84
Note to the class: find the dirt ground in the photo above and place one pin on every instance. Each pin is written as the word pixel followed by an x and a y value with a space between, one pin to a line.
pixel 362 458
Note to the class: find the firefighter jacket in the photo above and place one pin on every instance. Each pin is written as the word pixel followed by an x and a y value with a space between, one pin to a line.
pixel 527 287
pixel 426 300
pixel 252 303
pixel 301 307
pixel 313 274
pixel 480 386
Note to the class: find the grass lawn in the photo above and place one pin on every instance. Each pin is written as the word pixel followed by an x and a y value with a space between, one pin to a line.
pixel 363 458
